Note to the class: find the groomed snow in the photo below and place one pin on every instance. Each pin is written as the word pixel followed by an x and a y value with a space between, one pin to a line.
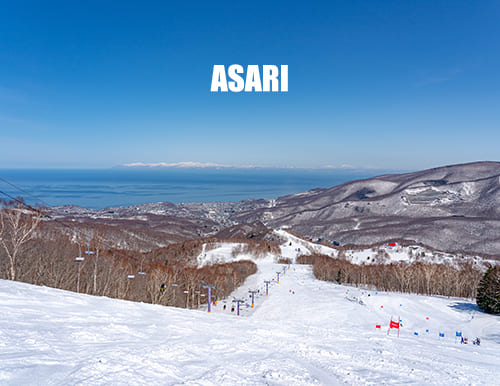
pixel 295 246
pixel 223 253
pixel 305 332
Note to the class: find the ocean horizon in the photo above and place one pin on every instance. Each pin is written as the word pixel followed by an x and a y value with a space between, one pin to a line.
pixel 101 188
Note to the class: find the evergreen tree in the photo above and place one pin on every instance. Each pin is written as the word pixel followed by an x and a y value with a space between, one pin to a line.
pixel 488 291
pixel 339 277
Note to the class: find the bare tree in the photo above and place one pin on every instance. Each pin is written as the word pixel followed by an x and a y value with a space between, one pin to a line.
pixel 159 286
pixel 17 226
pixel 98 243
pixel 429 271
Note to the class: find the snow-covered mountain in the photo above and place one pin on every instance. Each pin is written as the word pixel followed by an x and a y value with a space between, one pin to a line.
pixel 453 208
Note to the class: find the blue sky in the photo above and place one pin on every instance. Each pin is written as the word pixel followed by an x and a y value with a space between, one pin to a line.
pixel 382 84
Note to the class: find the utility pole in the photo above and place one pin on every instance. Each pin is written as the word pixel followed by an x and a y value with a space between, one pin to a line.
pixel 278 273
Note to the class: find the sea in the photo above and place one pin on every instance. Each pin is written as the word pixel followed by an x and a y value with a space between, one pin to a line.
pixel 101 188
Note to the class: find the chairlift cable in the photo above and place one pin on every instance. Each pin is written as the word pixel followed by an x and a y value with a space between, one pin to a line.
pixel 24 191
pixel 73 229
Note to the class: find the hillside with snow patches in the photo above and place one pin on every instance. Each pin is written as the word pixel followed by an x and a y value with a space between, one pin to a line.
pixel 293 246
pixel 454 208
pixel 305 332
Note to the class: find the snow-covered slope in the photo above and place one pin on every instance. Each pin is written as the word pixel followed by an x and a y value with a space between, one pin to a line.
pixel 304 332
pixel 225 252
pixel 294 246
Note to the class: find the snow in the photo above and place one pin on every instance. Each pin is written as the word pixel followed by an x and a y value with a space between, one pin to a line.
pixel 223 253
pixel 410 254
pixel 306 332
pixel 301 247
pixel 226 252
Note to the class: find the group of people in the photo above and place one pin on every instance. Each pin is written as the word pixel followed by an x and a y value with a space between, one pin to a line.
pixel 465 340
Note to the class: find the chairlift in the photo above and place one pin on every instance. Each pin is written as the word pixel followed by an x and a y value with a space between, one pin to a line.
pixel 186 292
pixel 89 252
pixel 131 275
pixel 141 272
pixel 79 259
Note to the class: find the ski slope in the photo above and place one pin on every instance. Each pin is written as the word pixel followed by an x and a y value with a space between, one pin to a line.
pixel 224 252
pixel 294 246
pixel 304 333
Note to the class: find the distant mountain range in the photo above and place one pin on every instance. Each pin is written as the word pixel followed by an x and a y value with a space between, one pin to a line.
pixel 452 208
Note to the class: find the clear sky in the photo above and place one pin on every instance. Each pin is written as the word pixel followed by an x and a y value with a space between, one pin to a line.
pixel 384 84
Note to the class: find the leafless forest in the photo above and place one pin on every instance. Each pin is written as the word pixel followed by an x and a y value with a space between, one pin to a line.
pixel 86 257
pixel 419 278
pixel 36 252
